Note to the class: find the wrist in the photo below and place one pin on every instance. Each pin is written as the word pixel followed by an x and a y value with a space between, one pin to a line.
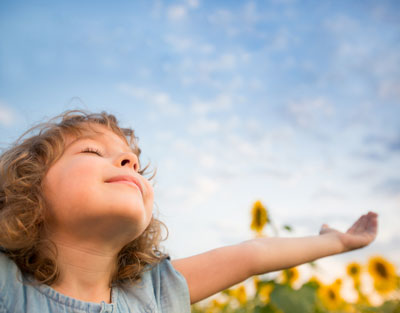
pixel 335 240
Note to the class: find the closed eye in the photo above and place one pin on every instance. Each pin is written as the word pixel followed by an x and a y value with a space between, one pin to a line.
pixel 92 150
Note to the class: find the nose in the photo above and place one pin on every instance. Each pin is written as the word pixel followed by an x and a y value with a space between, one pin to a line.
pixel 128 159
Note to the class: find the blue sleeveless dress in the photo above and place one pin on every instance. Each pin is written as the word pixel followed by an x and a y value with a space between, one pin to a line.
pixel 161 290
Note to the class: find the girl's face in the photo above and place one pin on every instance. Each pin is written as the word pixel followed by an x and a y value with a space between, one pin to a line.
pixel 94 190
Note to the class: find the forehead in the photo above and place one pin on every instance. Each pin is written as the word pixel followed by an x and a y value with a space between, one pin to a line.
pixel 95 132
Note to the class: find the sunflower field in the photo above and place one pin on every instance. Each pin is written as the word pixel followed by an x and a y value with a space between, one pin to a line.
pixel 375 287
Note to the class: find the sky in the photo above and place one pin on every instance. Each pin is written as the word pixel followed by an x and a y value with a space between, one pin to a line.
pixel 294 103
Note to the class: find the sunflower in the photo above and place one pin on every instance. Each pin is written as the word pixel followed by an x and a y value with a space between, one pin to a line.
pixel 259 217
pixel 290 275
pixel 315 281
pixel 354 270
pixel 265 291
pixel 338 283
pixel 240 294
pixel 256 281
pixel 215 306
pixel 330 296
pixel 383 273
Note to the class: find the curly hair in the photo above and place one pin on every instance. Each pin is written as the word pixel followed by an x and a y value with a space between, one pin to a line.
pixel 23 207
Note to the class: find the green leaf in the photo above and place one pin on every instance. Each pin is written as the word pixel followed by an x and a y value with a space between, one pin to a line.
pixel 392 306
pixel 289 300
pixel 265 309
pixel 288 228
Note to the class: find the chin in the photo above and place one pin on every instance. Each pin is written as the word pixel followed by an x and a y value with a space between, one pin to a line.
pixel 138 217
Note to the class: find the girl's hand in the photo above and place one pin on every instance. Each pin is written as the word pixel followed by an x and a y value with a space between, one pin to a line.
pixel 362 233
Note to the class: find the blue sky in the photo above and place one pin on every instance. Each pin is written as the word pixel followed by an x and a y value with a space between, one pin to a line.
pixel 295 103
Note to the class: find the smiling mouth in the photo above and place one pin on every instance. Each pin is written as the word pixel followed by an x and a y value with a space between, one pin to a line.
pixel 126 183
pixel 130 181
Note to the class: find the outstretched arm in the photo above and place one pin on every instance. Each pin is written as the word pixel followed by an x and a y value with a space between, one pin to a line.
pixel 271 254
pixel 218 269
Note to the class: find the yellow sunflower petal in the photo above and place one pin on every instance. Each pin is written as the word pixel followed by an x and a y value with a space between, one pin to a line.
pixel 330 296
pixel 259 217
pixel 353 270
pixel 265 292
pixel 240 294
pixel 383 273
pixel 290 275
pixel 314 280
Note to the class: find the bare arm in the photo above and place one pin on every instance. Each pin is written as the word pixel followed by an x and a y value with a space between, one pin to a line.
pixel 215 270
pixel 218 269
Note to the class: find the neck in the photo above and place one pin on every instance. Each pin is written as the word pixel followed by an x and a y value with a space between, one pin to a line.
pixel 85 270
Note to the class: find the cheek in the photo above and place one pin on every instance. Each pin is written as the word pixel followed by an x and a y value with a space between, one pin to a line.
pixel 68 185
pixel 149 195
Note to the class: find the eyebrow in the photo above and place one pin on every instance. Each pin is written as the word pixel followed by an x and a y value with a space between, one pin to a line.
pixel 92 137
pixel 80 138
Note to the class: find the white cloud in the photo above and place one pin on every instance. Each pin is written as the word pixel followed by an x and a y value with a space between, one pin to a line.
pixel 207 160
pixel 193 3
pixel 184 45
pixel 204 126
pixel 161 100
pixel 221 17
pixel 206 48
pixel 389 88
pixel 157 8
pixel 309 112
pixel 385 67
pixel 329 189
pixel 185 147
pixel 250 13
pixel 223 62
pixel 348 49
pixel 176 12
pixel 7 115
pixel 280 41
pixel 225 20
pixel 196 191
pixel 206 185
pixel 200 191
pixel 179 12
pixel 180 44
pixel 341 24
pixel 222 102
pixel 233 230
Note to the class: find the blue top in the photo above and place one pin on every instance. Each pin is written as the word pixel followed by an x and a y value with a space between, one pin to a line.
pixel 161 289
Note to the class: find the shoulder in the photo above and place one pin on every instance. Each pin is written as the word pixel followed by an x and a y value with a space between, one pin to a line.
pixel 165 275
pixel 11 285
pixel 163 287
pixel 170 286
pixel 8 271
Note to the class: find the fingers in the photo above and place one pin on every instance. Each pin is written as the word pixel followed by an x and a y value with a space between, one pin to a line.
pixel 372 225
pixel 362 224
pixel 365 222
pixel 356 225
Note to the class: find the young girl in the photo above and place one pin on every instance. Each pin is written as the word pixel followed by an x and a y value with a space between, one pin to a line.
pixel 77 231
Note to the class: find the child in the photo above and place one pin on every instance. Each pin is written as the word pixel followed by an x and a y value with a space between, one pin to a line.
pixel 77 233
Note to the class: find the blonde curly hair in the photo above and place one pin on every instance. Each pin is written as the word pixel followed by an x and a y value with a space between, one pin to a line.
pixel 23 207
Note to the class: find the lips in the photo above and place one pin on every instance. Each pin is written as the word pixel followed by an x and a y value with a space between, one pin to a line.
pixel 126 179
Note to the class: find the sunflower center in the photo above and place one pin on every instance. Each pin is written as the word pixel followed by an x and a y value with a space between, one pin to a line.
pixel 381 269
pixel 259 218
pixel 332 295
pixel 354 270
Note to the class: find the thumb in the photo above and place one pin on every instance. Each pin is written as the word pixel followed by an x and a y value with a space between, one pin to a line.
pixel 324 228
